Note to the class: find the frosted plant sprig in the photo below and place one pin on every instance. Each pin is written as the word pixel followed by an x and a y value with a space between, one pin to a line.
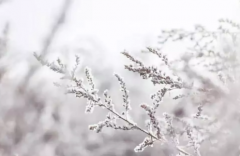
pixel 110 121
pixel 146 142
pixel 108 100
pixel 60 68
pixel 154 131
pixel 200 109
pixel 132 58
pixel 171 131
pixel 77 60
pixel 89 78
pixel 93 100
pixel 193 140
pixel 125 96
pixel 157 76
pixel 157 98
pixel 151 72
pixel 153 121
pixel 153 124
pixel 160 55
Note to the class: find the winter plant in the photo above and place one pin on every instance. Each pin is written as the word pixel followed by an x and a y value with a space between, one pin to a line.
pixel 186 132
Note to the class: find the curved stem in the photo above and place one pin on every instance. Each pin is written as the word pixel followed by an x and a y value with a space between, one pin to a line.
pixel 142 130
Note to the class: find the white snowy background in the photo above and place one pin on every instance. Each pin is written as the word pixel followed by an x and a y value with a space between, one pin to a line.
pixel 96 30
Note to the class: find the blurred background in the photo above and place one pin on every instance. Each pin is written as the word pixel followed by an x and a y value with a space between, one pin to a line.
pixel 37 118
